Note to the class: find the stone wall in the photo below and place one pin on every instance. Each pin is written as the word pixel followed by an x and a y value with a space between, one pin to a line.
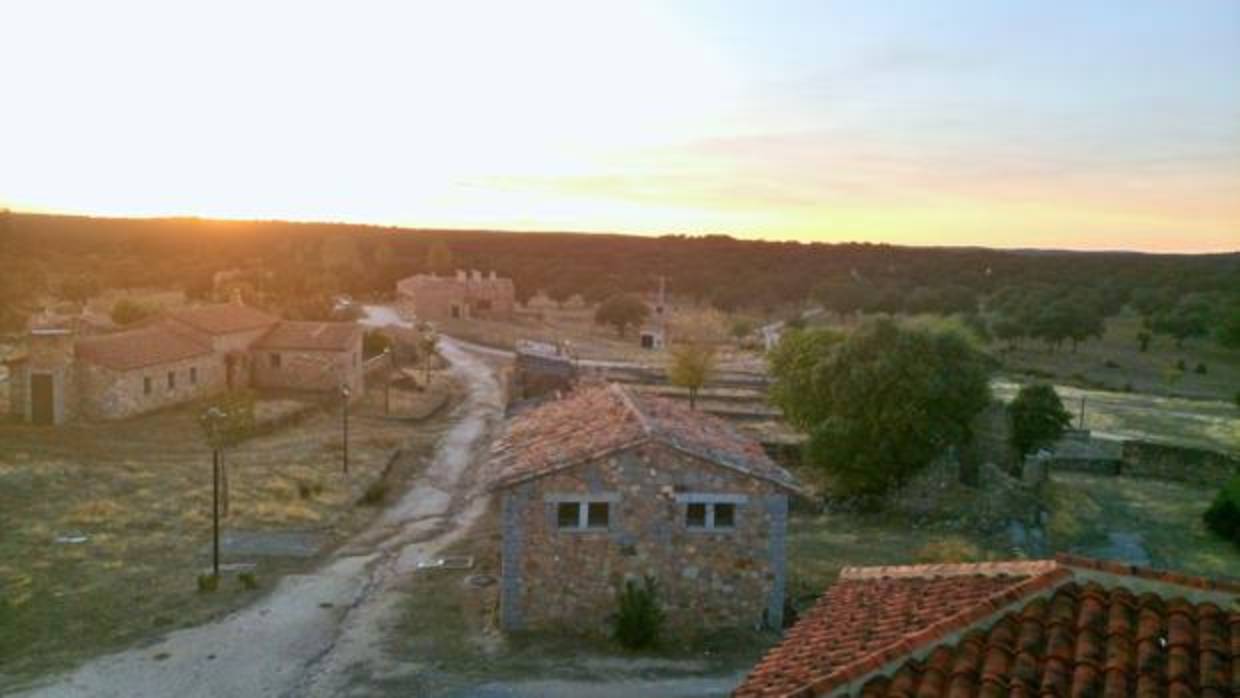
pixel 553 578
pixel 302 369
pixel 110 394
pixel 1145 459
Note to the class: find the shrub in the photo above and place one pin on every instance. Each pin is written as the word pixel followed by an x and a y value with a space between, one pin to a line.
pixel 1181 366
pixel 1201 369
pixel 249 581
pixel 374 343
pixel 306 490
pixel 1237 398
pixel 375 493
pixel 1223 516
pixel 208 583
pixel 127 312
pixel 639 621
pixel 1110 364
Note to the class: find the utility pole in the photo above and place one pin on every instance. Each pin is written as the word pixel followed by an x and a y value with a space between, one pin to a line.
pixel 215 512
pixel 344 395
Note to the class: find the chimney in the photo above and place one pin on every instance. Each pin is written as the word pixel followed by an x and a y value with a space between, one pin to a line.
pixel 493 276
pixel 477 275
pixel 460 275
pixel 236 296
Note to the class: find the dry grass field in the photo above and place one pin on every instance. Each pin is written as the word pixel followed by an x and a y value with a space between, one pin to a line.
pixel 139 493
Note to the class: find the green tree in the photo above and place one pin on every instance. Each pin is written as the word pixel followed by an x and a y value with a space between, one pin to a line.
pixel 621 311
pixel 742 328
pixel 1038 418
pixel 883 402
pixel 127 312
pixel 792 363
pixel 1189 318
pixel 374 343
pixel 693 364
pixel 1227 328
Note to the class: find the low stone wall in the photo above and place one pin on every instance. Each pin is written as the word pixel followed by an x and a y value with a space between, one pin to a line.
pixel 1145 459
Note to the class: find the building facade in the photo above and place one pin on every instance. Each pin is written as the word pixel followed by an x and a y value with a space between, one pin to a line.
pixel 463 296
pixel 178 357
pixel 606 486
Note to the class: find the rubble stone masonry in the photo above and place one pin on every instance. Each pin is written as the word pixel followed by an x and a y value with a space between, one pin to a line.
pixel 559 578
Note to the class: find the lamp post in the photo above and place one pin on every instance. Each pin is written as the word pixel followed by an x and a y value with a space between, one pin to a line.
pixel 213 417
pixel 344 423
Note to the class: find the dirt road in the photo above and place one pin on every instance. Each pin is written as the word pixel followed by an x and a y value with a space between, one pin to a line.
pixel 314 631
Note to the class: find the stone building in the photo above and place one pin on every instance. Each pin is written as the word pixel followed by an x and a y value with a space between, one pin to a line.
pixel 541 369
pixel 466 295
pixel 309 356
pixel 177 357
pixel 606 485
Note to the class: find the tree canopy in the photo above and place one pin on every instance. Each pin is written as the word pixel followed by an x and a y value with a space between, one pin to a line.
pixel 692 365
pixel 1038 418
pixel 882 402
pixel 621 311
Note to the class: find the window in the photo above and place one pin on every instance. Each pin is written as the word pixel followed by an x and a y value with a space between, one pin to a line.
pixel 710 512
pixel 583 515
pixel 193 375
pixel 146 385
pixel 275 361
pixel 172 380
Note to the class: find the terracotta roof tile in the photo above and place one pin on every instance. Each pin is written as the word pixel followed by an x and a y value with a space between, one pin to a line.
pixel 1047 628
pixel 147 346
pixel 223 318
pixel 596 420
pixel 322 336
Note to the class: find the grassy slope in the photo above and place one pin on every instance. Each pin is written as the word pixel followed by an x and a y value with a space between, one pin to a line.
pixel 141 490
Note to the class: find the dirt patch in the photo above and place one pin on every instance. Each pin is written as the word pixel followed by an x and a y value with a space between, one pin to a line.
pixel 137 493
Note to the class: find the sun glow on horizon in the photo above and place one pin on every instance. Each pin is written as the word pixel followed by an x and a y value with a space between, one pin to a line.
pixel 808 123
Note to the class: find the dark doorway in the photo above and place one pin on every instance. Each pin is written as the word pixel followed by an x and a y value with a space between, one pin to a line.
pixel 647 341
pixel 41 408
pixel 456 312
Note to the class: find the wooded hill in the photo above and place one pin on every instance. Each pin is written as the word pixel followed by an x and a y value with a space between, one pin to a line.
pixel 310 260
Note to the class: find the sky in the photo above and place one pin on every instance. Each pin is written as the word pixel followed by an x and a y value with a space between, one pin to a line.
pixel 1024 123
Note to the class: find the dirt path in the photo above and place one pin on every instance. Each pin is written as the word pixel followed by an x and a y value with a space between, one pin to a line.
pixel 314 631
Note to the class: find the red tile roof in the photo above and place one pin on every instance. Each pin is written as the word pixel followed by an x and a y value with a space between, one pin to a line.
pixel 320 336
pixel 597 420
pixel 223 318
pixel 1068 627
pixel 147 346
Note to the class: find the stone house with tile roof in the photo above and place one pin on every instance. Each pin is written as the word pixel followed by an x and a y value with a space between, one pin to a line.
pixel 176 357
pixel 468 294
pixel 1064 627
pixel 606 485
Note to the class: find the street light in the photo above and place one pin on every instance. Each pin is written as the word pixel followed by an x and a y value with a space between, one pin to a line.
pixel 344 396
pixel 213 418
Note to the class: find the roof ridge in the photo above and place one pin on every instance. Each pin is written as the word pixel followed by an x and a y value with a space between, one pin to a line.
pixel 631 404
pixel 1150 574
pixel 989 569
pixel 899 651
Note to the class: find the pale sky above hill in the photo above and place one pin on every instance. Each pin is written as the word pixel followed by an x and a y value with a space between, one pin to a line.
pixel 1028 123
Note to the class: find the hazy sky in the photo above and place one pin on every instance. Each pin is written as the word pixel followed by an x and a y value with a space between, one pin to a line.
pixel 1104 124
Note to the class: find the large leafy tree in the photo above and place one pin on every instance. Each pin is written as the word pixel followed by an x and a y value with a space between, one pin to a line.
pixel 880 404
pixel 621 311
pixel 1038 418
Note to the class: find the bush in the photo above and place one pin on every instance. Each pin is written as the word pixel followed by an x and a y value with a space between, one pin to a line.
pixel 249 581
pixel 639 622
pixel 1181 366
pixel 127 312
pixel 306 490
pixel 1110 364
pixel 208 583
pixel 951 549
pixel 1201 369
pixel 1223 516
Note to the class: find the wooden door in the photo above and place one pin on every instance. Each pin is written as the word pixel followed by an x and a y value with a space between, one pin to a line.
pixel 42 410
